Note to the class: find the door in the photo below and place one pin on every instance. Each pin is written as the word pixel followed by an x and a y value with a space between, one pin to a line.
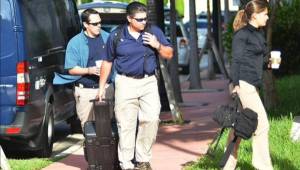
pixel 8 61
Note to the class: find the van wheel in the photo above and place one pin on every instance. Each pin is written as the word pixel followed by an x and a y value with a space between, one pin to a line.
pixel 47 134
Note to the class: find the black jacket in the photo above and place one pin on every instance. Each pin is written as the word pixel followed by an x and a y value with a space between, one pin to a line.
pixel 249 54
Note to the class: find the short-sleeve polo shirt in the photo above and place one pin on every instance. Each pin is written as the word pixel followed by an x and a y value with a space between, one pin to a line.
pixel 131 57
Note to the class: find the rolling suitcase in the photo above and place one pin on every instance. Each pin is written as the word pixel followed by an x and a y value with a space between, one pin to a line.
pixel 101 139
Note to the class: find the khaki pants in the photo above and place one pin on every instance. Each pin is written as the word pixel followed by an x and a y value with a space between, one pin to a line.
pixel 260 143
pixel 84 107
pixel 136 99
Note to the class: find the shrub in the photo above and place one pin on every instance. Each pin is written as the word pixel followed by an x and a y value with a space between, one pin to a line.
pixel 286 36
pixel 227 38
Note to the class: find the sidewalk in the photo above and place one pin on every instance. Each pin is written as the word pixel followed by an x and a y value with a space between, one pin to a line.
pixel 176 145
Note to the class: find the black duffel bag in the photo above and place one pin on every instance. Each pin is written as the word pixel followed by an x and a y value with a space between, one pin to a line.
pixel 225 115
pixel 245 124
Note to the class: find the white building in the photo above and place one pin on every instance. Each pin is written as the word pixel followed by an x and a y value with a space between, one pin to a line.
pixel 201 6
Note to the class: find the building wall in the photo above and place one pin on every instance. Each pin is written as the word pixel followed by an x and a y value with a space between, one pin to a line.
pixel 201 6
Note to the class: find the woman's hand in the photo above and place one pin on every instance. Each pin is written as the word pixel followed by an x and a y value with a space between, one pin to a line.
pixel 236 90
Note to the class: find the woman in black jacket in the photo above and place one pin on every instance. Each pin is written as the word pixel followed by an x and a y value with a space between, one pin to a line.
pixel 248 50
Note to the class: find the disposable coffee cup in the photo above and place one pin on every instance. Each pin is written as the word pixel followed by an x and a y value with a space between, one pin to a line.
pixel 98 63
pixel 275 59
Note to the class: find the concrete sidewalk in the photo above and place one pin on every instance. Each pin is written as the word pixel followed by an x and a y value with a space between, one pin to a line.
pixel 176 145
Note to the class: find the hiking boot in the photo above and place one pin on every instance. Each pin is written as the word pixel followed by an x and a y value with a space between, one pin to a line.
pixel 143 166
pixel 135 168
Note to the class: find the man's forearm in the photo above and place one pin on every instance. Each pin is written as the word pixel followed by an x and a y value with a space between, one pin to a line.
pixel 165 51
pixel 104 73
pixel 79 71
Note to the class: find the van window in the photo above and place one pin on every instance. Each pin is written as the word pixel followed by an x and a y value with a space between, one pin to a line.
pixel 41 27
pixel 68 16
pixel 6 29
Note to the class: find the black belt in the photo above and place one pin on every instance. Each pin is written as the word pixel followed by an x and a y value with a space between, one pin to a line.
pixel 91 86
pixel 137 76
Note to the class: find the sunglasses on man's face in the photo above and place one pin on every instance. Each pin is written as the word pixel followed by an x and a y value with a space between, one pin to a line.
pixel 95 23
pixel 141 19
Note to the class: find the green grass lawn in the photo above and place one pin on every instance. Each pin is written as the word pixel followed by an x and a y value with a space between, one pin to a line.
pixel 29 164
pixel 285 154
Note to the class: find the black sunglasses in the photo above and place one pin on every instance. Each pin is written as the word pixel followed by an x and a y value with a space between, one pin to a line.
pixel 141 19
pixel 95 23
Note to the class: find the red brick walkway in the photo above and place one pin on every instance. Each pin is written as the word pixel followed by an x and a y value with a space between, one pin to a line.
pixel 176 145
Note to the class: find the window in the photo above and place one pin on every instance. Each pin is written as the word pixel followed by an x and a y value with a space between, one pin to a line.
pixel 7 42
pixel 42 27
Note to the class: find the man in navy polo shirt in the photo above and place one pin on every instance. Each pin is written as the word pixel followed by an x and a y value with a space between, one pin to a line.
pixel 82 52
pixel 136 90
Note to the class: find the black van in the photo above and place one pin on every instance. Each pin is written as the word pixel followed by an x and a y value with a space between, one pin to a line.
pixel 33 39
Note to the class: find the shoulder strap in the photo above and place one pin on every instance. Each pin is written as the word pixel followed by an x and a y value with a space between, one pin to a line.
pixel 216 140
pixel 228 152
pixel 117 37
pixel 104 36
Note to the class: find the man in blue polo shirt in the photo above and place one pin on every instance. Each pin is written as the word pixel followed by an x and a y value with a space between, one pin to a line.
pixel 136 90
pixel 83 51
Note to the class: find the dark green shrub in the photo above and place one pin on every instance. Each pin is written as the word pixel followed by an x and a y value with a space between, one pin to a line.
pixel 286 36
pixel 227 38
pixel 86 1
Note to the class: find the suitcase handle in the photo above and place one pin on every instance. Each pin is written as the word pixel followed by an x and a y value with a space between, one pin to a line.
pixel 103 100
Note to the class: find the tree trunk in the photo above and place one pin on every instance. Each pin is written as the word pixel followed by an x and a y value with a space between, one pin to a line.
pixel 195 82
pixel 226 12
pixel 270 95
pixel 173 64
pixel 176 113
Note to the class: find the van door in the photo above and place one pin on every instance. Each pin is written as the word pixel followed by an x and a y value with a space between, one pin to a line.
pixel 8 60
pixel 46 44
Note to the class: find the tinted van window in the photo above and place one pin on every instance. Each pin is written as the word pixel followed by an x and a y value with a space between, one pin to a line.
pixel 7 37
pixel 40 37
pixel 6 29
pixel 67 14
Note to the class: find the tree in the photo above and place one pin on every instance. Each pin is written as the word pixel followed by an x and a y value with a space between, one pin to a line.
pixel 176 113
pixel 179 4
pixel 173 64
pixel 270 97
pixel 195 82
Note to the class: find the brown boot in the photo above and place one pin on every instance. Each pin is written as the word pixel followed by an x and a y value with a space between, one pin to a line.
pixel 143 166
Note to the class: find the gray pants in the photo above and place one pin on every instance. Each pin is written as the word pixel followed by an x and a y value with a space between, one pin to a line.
pixel 136 99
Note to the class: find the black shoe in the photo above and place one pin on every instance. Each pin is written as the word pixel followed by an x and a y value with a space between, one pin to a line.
pixel 143 166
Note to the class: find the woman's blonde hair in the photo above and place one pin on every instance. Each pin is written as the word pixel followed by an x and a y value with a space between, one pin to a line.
pixel 244 15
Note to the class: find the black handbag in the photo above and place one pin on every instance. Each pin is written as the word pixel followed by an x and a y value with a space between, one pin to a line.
pixel 244 123
pixel 225 115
